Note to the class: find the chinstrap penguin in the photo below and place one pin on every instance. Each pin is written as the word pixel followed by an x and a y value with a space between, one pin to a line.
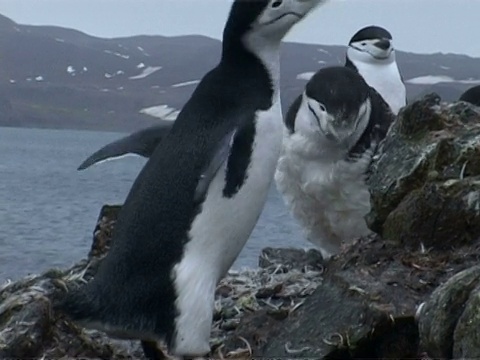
pixel 371 53
pixel 471 96
pixel 197 199
pixel 332 131
pixel 142 142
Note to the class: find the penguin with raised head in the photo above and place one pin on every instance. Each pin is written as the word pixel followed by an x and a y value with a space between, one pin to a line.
pixel 371 53
pixel 471 95
pixel 196 201
pixel 332 132
pixel 142 142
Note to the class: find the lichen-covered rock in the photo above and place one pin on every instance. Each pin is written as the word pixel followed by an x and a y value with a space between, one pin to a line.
pixel 449 322
pixel 425 181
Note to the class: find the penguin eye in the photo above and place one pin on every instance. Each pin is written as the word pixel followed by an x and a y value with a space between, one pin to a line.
pixel 276 3
pixel 322 107
pixel 364 43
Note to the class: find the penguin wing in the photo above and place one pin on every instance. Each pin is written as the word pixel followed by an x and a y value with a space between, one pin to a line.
pixel 142 143
pixel 220 155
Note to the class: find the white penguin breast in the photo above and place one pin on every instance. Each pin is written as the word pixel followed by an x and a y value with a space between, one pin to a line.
pixel 386 80
pixel 328 197
pixel 220 232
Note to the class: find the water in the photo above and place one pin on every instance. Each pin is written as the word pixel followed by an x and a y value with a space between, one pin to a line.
pixel 48 209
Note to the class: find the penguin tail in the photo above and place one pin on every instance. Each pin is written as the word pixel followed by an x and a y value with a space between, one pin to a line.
pixel 79 307
pixel 89 309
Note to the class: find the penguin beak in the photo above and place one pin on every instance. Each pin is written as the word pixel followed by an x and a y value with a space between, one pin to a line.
pixel 323 119
pixel 383 44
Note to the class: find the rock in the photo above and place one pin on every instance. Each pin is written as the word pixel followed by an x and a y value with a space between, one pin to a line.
pixel 425 184
pixel 290 258
pixel 449 321
pixel 102 234
pixel 364 307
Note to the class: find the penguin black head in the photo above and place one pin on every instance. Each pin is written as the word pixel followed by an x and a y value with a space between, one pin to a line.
pixel 471 96
pixel 334 109
pixel 371 44
pixel 267 20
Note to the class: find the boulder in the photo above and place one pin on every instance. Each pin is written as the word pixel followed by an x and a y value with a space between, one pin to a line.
pixel 425 182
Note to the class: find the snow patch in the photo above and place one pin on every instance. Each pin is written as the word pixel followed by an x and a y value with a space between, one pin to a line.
pixel 186 83
pixel 149 70
pixel 59 40
pixel 163 112
pixel 140 66
pixel 12 81
pixel 435 79
pixel 306 75
pixel 117 54
pixel 445 67
pixel 323 51
pixel 322 62
pixel 85 69
pixel 71 70
pixel 39 78
pixel 142 50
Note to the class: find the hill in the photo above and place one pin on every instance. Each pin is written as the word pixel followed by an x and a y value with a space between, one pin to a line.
pixel 63 78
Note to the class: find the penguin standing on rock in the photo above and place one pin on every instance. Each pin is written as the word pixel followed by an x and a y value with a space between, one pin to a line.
pixel 332 131
pixel 371 53
pixel 196 201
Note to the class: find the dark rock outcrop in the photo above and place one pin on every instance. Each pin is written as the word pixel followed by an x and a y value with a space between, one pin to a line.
pixel 363 303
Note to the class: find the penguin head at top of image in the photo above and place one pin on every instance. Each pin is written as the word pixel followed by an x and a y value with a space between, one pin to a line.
pixel 270 20
pixel 335 109
pixel 371 44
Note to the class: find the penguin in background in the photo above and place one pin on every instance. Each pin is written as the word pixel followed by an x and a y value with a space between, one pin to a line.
pixel 471 95
pixel 196 201
pixel 371 53
pixel 332 131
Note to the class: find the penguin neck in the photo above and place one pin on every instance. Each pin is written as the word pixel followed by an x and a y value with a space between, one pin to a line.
pixel 383 76
pixel 252 49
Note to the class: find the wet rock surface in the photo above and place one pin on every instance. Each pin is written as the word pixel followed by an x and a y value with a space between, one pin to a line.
pixel 362 303
pixel 425 184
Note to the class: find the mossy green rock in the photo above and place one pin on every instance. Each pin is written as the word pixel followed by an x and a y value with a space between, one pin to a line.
pixel 425 182
pixel 449 321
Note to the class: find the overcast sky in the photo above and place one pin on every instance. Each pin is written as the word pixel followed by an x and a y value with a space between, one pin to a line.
pixel 423 26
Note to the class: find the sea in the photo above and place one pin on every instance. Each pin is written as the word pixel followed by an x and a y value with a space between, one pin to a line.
pixel 48 209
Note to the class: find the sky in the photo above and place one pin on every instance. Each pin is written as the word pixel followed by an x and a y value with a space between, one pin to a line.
pixel 421 26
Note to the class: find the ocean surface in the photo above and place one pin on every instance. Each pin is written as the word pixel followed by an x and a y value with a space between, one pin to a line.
pixel 48 209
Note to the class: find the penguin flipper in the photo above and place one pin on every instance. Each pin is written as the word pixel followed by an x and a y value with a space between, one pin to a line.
pixel 219 157
pixel 142 142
